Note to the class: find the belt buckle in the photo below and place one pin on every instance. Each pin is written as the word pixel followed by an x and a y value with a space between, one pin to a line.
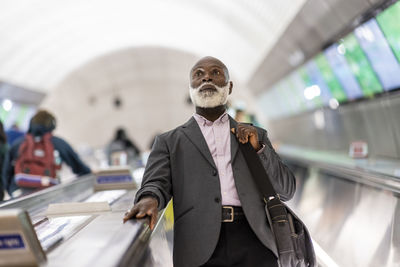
pixel 232 215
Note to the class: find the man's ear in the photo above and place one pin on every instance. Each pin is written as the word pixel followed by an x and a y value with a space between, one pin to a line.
pixel 230 87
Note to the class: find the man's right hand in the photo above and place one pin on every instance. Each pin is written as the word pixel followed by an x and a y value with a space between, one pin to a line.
pixel 145 207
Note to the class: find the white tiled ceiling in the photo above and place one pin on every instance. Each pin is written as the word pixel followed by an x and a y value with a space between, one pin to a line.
pixel 42 41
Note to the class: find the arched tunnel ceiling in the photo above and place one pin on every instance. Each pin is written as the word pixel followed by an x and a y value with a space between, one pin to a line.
pixel 42 41
pixel 84 102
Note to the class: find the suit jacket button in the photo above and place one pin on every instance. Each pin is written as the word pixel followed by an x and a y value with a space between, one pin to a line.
pixel 215 172
pixel 217 199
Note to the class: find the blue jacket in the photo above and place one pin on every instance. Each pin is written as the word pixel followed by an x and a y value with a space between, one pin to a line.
pixel 13 135
pixel 67 155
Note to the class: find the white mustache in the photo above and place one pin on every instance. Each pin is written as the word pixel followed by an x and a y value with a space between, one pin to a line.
pixel 205 84
pixel 208 98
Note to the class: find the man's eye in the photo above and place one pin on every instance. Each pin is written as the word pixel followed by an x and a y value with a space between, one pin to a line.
pixel 198 74
pixel 217 72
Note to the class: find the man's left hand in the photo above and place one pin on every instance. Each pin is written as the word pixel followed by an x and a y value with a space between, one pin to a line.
pixel 247 133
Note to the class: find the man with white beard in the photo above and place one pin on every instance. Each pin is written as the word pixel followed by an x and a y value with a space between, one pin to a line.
pixel 219 217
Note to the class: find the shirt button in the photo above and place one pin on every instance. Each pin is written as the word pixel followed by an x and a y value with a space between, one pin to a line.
pixel 214 172
pixel 217 199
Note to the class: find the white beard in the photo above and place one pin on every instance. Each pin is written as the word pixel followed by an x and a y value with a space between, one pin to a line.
pixel 209 99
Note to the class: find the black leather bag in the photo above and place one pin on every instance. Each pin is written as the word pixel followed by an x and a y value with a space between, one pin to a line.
pixel 293 240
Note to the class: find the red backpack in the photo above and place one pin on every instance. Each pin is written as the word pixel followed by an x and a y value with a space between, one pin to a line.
pixel 35 165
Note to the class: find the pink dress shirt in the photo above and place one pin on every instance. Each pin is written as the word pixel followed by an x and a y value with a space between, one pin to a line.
pixel 217 135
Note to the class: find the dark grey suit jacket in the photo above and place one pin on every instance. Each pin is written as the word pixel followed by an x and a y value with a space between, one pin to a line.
pixel 181 165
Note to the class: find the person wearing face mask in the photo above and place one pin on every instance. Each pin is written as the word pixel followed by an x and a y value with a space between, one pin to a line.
pixel 219 216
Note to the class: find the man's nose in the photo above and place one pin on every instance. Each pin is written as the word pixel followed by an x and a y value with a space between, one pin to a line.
pixel 207 78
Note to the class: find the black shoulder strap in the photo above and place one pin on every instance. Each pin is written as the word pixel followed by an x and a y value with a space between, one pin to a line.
pixel 257 170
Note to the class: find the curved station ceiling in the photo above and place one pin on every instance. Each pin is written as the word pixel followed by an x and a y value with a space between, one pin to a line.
pixel 42 41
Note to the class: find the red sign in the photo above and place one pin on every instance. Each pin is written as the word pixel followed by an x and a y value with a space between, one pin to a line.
pixel 358 149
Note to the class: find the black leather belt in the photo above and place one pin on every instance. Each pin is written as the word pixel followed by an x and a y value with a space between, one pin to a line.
pixel 232 213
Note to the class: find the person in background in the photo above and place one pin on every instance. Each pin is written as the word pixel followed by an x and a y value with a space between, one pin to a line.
pixel 3 151
pixel 13 133
pixel 253 120
pixel 219 216
pixel 241 116
pixel 41 123
pixel 121 150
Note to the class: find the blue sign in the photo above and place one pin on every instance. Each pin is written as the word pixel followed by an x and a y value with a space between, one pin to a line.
pixel 114 179
pixel 13 241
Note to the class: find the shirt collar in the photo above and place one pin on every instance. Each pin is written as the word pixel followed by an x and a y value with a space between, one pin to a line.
pixel 203 121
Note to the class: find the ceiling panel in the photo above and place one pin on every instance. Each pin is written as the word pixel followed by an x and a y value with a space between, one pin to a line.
pixel 316 24
pixel 45 40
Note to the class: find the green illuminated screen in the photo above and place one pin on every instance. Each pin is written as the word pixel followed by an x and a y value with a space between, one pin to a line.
pixel 389 21
pixel 307 82
pixel 360 66
pixel 334 86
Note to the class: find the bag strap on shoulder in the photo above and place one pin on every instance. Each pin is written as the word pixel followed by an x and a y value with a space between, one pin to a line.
pixel 258 172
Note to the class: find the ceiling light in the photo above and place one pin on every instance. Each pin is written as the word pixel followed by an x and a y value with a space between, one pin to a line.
pixel 312 92
pixel 341 49
pixel 333 103
pixel 7 104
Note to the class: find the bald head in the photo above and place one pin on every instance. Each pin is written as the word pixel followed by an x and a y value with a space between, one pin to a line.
pixel 210 61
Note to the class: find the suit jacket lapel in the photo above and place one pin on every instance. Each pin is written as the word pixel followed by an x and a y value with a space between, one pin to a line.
pixel 234 141
pixel 192 131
